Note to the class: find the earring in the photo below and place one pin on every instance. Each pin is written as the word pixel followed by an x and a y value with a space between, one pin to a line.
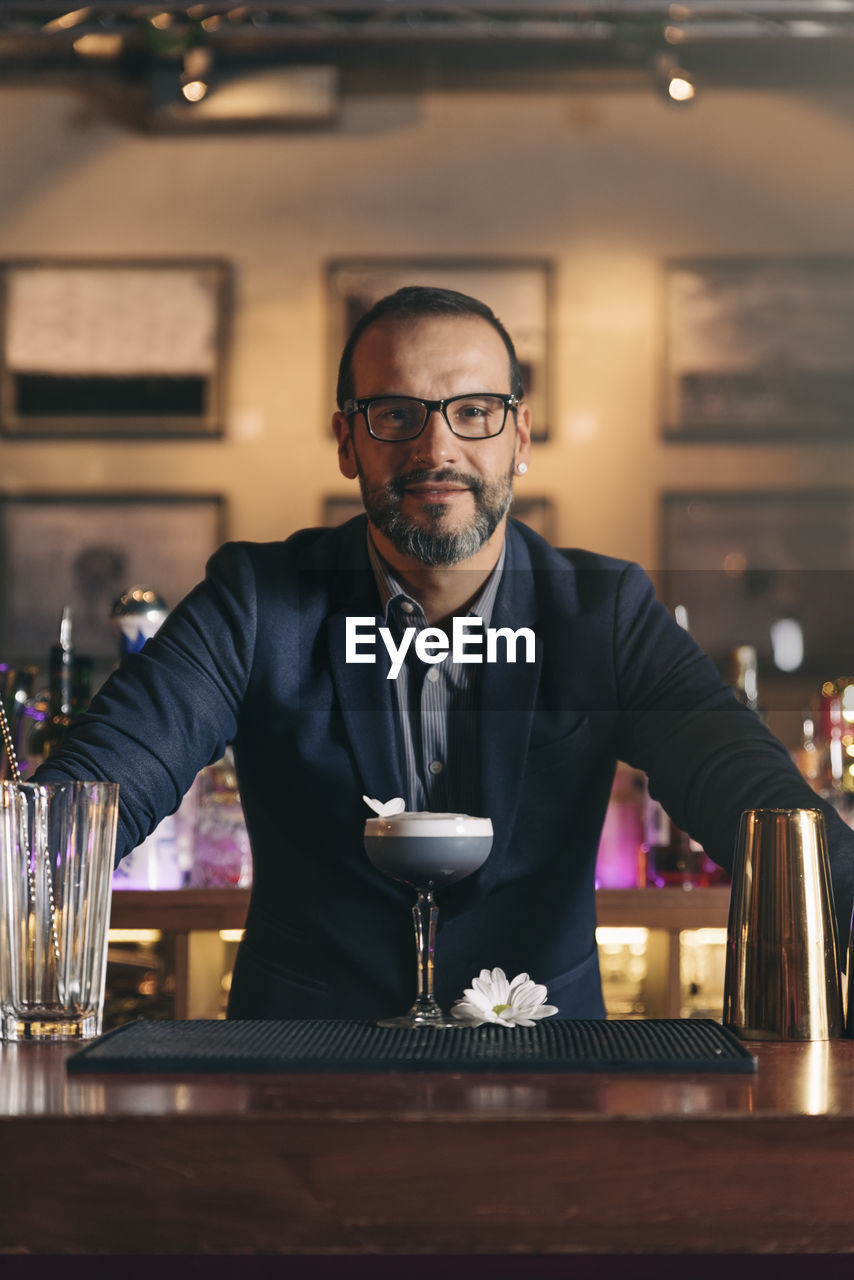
pixel 522 468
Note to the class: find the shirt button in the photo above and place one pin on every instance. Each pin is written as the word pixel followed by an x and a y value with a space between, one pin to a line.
pixel 435 766
pixel 407 607
pixel 433 674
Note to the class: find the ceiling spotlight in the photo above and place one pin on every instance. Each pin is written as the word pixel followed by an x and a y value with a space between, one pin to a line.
pixel 680 89
pixel 673 81
pixel 194 90
pixel 196 73
pixel 67 20
pixel 99 44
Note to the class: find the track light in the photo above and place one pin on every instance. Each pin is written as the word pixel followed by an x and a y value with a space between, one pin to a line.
pixel 674 83
pixel 194 90
pixel 195 77
pixel 67 20
pixel 680 88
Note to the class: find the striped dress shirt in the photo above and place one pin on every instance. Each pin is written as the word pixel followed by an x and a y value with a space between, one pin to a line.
pixel 435 705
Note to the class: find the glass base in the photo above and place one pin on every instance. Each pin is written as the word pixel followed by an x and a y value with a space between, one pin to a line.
pixel 432 1017
pixel 47 1027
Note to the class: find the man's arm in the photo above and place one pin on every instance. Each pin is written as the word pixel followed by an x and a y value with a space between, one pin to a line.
pixel 171 709
pixel 708 758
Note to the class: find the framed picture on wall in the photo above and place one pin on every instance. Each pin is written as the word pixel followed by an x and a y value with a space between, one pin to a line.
pixel 84 550
pixel 519 291
pixel 759 349
pixel 774 570
pixel 534 511
pixel 338 508
pixel 112 348
pixel 537 513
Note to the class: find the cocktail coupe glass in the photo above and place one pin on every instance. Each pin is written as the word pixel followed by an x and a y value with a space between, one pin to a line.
pixel 426 850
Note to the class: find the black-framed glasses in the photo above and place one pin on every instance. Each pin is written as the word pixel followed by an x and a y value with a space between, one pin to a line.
pixel 476 416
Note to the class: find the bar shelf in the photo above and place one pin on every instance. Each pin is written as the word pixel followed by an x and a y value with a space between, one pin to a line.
pixel 194 921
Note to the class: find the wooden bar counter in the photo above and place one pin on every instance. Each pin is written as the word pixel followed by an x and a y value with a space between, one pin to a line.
pixel 429 1163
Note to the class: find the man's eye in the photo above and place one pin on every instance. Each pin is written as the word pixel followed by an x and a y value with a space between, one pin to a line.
pixel 473 411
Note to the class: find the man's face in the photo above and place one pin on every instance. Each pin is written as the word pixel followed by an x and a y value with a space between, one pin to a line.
pixel 437 498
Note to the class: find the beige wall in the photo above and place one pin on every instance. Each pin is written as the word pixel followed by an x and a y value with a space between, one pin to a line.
pixel 605 185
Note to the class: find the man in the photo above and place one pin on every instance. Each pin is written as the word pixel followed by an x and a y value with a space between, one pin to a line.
pixel 273 652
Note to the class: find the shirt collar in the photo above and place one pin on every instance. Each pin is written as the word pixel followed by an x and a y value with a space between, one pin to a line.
pixel 391 592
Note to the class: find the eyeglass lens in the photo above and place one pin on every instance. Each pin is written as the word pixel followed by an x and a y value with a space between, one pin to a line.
pixel 475 417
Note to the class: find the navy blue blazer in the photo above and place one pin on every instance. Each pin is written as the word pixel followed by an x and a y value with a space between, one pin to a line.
pixel 255 655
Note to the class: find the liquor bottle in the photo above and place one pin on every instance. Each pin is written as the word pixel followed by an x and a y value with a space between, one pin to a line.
pixel 81 684
pixel 809 757
pixel 136 616
pixel 672 857
pixel 47 736
pixel 222 857
pixel 621 858
pixel 837 698
pixel 16 688
pixel 743 678
pixel 834 779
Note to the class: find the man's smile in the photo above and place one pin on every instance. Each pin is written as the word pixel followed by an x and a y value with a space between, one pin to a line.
pixel 435 491
pixel 441 487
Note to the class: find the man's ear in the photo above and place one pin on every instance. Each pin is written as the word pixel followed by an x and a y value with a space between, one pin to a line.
pixel 523 433
pixel 346 453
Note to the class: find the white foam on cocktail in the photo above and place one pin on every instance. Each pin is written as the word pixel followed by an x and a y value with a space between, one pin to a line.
pixel 418 824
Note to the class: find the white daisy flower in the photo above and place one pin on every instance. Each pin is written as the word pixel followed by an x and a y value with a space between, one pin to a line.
pixel 491 998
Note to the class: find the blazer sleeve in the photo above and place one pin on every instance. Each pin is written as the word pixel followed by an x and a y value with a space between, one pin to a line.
pixel 707 757
pixel 171 709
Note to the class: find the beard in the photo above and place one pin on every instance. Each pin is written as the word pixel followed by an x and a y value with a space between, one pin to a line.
pixel 429 540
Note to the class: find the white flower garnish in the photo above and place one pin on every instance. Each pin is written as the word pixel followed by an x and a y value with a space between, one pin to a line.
pixel 491 998
pixel 386 808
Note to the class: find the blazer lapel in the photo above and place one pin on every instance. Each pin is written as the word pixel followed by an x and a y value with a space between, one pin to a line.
pixel 507 702
pixel 363 690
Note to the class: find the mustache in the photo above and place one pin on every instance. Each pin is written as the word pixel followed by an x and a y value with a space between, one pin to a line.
pixel 446 475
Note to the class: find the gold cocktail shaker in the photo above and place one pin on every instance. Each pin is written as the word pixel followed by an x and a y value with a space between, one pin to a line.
pixel 782 966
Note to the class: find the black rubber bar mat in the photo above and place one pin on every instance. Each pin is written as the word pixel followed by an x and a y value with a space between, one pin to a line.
pixel 656 1044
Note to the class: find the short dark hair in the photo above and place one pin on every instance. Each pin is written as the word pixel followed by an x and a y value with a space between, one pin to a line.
pixel 412 302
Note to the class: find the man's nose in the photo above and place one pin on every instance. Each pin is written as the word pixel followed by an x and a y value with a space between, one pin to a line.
pixel 437 443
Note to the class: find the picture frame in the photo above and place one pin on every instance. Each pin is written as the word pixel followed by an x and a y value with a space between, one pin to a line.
pixel 112 348
pixel 519 291
pixel 338 508
pixel 759 349
pixel 536 511
pixel 85 550
pixel 742 563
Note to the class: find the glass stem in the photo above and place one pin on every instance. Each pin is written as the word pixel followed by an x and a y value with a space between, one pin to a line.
pixel 425 914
